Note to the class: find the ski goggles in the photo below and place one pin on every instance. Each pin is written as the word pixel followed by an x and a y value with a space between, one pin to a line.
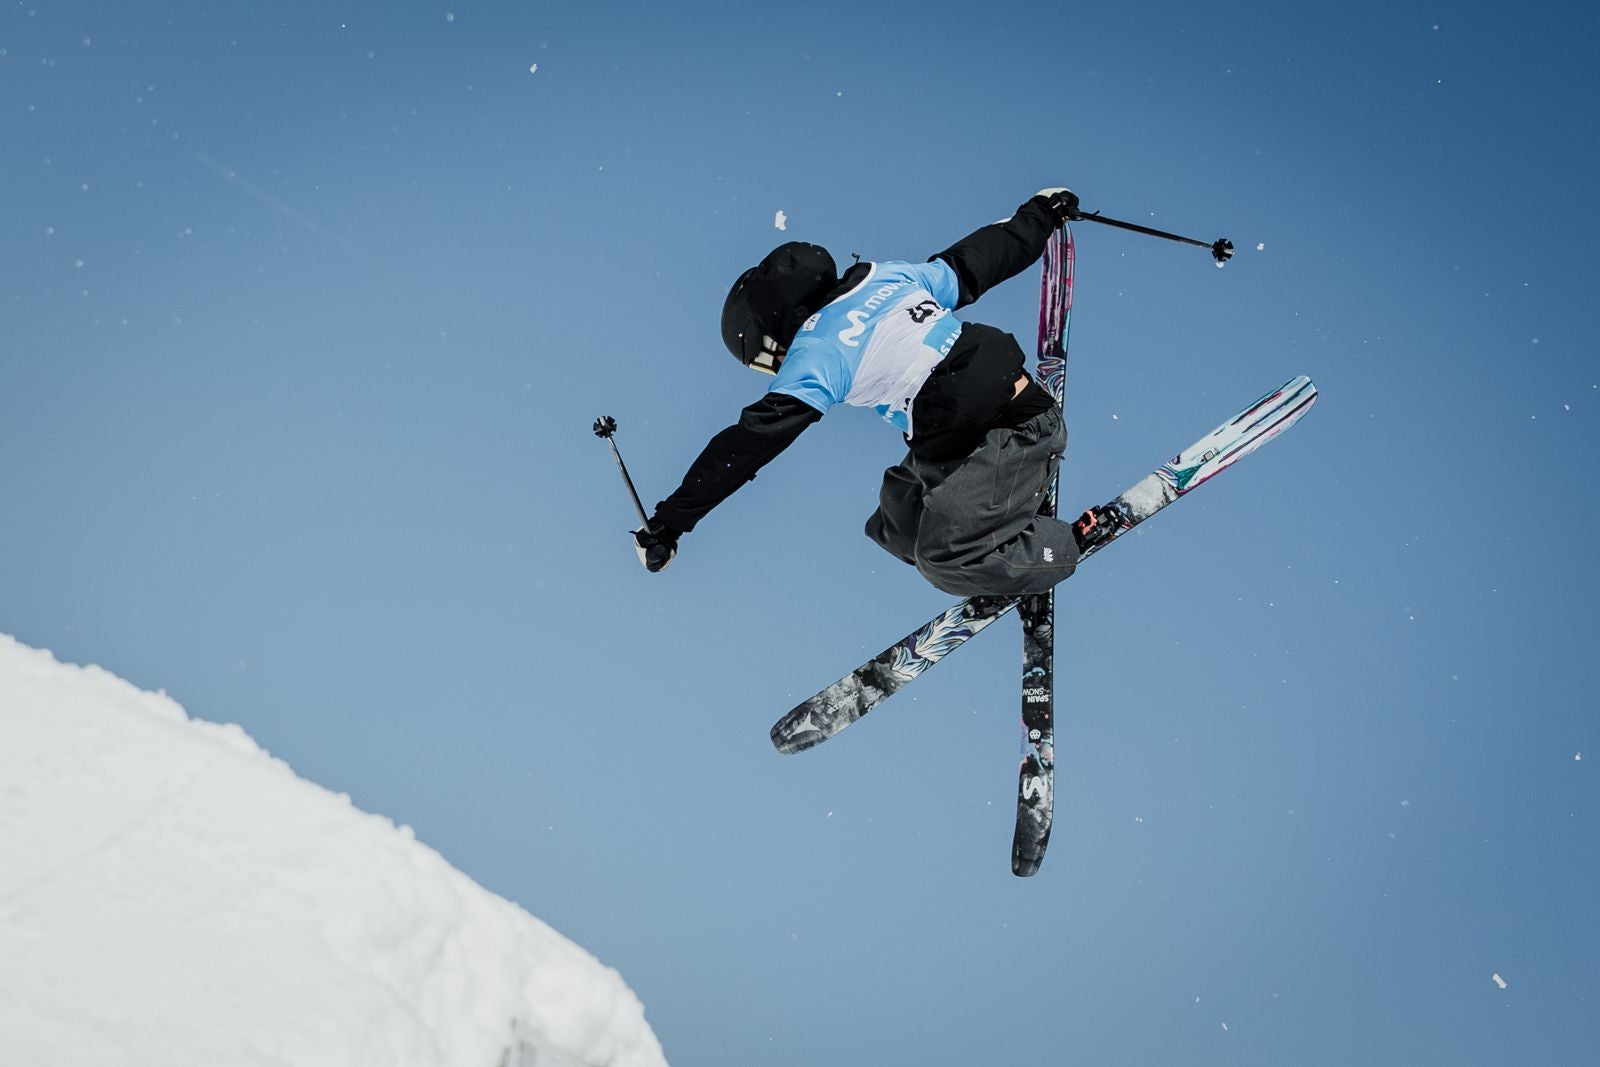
pixel 767 360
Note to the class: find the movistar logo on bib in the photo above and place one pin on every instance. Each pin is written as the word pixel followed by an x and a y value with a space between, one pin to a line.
pixel 862 316
pixel 858 326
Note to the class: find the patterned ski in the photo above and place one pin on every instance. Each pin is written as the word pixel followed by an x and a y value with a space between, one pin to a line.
pixel 819 717
pixel 1036 770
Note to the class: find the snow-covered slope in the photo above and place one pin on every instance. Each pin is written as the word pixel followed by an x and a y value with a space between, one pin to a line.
pixel 172 895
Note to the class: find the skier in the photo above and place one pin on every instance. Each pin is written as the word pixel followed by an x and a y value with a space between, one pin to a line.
pixel 984 438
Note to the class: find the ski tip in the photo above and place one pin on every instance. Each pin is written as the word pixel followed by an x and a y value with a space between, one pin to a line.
pixel 1300 385
pixel 1028 846
pixel 1025 866
pixel 788 744
pixel 1302 392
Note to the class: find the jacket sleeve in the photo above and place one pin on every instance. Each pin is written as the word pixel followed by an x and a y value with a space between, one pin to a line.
pixel 986 257
pixel 733 457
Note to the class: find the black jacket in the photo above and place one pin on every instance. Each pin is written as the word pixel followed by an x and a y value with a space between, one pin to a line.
pixel 968 393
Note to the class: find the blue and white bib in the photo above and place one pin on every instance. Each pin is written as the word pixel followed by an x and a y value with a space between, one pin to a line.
pixel 874 346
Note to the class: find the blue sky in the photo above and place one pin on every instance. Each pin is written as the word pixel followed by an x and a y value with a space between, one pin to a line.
pixel 306 311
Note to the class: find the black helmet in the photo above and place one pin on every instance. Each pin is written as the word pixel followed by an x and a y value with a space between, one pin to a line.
pixel 767 305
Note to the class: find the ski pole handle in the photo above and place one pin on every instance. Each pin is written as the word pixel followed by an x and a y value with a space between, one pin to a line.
pixel 604 427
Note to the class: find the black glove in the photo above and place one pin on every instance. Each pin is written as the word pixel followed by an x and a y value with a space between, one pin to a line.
pixel 1063 204
pixel 1097 526
pixel 656 544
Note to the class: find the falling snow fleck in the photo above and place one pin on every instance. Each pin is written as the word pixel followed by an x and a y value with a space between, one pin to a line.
pixel 781 221
pixel 1501 982
pixel 534 69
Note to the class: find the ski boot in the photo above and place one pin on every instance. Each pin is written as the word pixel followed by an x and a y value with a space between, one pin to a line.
pixel 1098 525
pixel 984 606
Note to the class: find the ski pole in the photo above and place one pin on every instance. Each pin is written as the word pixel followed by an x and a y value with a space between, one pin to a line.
pixel 1221 248
pixel 604 427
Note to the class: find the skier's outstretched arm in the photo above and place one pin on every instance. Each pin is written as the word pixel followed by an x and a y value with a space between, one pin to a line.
pixel 986 257
pixel 733 457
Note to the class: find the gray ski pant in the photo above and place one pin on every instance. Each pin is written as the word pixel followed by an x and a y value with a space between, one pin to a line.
pixel 971 526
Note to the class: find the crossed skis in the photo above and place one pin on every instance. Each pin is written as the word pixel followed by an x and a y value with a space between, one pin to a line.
pixel 835 707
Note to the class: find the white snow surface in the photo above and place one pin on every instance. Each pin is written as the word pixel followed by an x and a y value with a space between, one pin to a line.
pixel 171 895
